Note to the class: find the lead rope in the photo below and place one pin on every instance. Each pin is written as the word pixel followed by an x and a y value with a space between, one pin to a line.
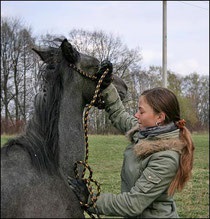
pixel 93 197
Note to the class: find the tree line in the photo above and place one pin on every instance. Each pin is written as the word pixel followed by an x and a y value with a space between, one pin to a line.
pixel 20 77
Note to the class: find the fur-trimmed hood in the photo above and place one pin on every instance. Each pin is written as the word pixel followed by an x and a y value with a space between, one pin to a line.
pixel 145 147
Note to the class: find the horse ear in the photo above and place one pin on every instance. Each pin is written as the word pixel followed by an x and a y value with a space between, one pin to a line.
pixel 69 52
pixel 44 55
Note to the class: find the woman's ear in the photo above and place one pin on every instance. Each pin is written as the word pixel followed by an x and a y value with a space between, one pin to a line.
pixel 161 118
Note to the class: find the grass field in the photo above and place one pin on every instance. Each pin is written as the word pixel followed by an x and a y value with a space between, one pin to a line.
pixel 105 159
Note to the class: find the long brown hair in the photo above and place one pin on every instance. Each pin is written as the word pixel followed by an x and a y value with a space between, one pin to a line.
pixel 164 100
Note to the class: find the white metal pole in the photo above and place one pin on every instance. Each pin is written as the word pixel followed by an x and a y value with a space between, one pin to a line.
pixel 164 58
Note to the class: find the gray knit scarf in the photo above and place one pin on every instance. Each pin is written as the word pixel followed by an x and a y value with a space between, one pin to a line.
pixel 151 132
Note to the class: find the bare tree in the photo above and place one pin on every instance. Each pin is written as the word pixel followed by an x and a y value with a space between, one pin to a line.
pixel 6 68
pixel 196 88
pixel 16 64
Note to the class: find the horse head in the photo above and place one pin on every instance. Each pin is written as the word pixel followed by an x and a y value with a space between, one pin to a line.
pixel 87 64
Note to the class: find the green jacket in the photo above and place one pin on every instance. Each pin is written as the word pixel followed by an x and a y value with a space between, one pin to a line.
pixel 148 168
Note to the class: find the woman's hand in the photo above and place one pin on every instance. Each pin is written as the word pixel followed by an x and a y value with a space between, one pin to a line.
pixel 109 77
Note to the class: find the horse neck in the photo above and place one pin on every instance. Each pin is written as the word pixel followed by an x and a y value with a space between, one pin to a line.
pixel 71 133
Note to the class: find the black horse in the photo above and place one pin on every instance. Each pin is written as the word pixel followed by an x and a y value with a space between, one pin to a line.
pixel 35 165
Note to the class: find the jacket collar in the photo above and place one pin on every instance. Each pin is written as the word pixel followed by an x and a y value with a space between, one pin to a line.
pixel 147 147
pixel 154 143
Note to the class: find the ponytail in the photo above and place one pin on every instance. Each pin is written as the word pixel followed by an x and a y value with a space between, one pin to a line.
pixel 186 160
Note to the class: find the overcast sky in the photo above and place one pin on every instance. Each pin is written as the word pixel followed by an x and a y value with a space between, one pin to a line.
pixel 137 23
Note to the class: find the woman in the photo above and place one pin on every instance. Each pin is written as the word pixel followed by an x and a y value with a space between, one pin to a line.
pixel 158 161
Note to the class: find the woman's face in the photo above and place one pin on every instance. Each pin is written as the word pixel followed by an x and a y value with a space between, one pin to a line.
pixel 146 115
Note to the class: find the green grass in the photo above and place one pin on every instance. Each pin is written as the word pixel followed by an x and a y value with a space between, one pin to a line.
pixel 193 201
pixel 106 156
pixel 5 138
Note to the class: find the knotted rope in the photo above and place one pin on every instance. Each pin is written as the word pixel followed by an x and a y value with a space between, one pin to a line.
pixel 84 163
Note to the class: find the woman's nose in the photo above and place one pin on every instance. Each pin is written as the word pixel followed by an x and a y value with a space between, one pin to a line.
pixel 137 115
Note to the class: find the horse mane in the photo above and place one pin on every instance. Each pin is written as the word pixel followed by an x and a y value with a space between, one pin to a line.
pixel 41 136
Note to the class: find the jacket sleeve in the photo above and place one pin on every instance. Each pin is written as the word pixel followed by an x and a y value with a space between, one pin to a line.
pixel 151 184
pixel 121 119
